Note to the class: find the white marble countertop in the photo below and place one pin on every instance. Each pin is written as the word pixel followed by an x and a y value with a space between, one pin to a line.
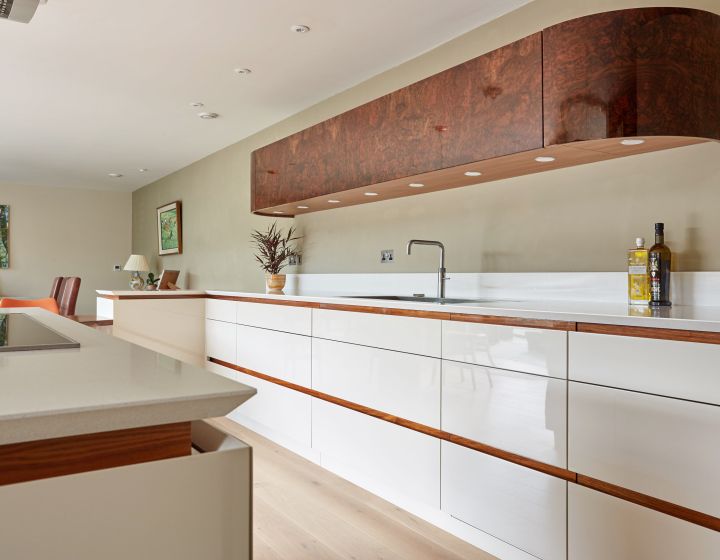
pixel 106 384
pixel 683 317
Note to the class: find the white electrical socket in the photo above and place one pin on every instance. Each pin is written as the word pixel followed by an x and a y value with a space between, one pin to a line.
pixel 387 256
pixel 117 268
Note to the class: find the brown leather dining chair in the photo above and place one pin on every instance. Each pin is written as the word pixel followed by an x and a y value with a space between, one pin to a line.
pixel 67 293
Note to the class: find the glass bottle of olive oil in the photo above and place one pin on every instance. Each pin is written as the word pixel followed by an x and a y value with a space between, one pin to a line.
pixel 660 259
pixel 638 274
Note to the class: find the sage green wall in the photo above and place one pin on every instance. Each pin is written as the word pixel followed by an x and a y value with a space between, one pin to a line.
pixel 66 232
pixel 577 219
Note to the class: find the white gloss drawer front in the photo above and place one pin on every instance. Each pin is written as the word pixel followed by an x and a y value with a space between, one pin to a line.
pixel 377 454
pixel 686 370
pixel 406 385
pixel 220 310
pixel 601 527
pixel 517 412
pixel 392 332
pixel 220 340
pixel 286 318
pixel 666 448
pixel 539 351
pixel 522 507
pixel 278 354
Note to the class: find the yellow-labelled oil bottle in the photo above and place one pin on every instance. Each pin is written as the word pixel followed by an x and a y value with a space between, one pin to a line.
pixel 638 274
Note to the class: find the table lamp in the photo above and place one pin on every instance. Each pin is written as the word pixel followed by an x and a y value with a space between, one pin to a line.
pixel 137 264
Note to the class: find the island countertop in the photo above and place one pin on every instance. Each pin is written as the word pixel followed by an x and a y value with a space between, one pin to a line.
pixel 106 384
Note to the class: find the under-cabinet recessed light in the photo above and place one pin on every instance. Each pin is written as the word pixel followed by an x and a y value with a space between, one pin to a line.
pixel 544 159
pixel 208 116
pixel 197 104
pixel 416 185
pixel 142 169
pixel 300 28
pixel 243 71
pixel 303 207
pixel 371 194
pixel 473 173
pixel 333 201
pixel 278 212
pixel 632 141
pixel 115 175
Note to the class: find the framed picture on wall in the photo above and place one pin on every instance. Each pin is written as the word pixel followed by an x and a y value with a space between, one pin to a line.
pixel 4 236
pixel 169 226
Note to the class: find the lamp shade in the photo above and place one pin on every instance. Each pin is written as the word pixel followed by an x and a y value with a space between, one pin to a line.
pixel 137 263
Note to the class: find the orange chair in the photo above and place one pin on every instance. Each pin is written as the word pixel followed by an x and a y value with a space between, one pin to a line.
pixel 46 303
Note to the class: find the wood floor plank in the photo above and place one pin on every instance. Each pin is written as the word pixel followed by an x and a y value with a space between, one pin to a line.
pixel 303 511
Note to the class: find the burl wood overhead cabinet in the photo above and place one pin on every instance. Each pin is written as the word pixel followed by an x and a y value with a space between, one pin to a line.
pixel 569 94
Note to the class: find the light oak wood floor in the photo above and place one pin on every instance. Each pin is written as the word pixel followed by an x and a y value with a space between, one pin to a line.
pixel 303 512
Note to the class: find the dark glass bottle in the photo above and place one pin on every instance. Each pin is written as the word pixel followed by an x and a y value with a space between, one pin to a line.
pixel 659 264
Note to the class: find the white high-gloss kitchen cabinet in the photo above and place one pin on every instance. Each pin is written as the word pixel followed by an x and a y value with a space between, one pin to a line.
pixel 276 412
pixel 185 508
pixel 406 385
pixel 286 318
pixel 282 355
pixel 540 351
pixel 405 334
pixel 686 370
pixel 390 457
pixel 220 340
pixel 221 370
pixel 666 448
pixel 221 310
pixel 601 527
pixel 518 412
pixel 522 507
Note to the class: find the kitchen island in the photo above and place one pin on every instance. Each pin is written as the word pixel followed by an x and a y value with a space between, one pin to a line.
pixel 103 453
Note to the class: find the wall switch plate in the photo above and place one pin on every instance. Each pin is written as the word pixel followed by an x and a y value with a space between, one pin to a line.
pixel 117 268
pixel 295 260
pixel 387 256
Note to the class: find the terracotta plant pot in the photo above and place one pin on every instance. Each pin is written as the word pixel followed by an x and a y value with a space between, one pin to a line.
pixel 274 282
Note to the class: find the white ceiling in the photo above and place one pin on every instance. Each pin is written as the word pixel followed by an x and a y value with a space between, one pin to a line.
pixel 91 87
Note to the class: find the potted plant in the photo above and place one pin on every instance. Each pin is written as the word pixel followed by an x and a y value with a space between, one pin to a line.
pixel 274 250
pixel 152 282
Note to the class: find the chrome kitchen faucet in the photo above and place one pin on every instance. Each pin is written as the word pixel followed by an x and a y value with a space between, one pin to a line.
pixel 441 270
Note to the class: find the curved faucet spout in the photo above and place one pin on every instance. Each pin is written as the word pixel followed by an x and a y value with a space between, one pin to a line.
pixel 441 270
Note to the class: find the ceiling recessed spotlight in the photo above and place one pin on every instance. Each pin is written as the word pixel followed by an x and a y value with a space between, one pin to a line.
pixel 142 169
pixel 371 194
pixel 278 212
pixel 243 71
pixel 333 201
pixel 473 173
pixel 300 28
pixel 208 116
pixel 303 207
pixel 544 159
pixel 632 141
pixel 115 175
pixel 416 185
pixel 197 104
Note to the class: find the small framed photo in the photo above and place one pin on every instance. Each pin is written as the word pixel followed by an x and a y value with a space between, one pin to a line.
pixel 169 225
pixel 168 280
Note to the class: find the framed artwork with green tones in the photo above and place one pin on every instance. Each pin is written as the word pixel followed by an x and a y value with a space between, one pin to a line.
pixel 4 236
pixel 169 224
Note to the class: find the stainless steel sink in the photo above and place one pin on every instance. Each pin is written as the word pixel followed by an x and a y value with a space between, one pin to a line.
pixel 420 299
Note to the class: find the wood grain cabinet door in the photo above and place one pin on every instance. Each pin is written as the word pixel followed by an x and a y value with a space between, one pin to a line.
pixel 491 105
pixel 639 72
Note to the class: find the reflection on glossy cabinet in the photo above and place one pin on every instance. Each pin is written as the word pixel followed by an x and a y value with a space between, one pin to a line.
pixel 539 351
pixel 517 412
pixel 685 370
pixel 601 527
pixel 405 334
pixel 278 354
pixel 524 508
pixel 220 310
pixel 405 385
pixel 285 318
pixel 388 457
pixel 220 340
pixel 666 448
pixel 278 413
